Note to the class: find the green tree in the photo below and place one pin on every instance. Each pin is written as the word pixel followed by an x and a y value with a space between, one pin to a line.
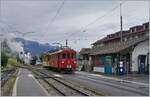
pixel 4 59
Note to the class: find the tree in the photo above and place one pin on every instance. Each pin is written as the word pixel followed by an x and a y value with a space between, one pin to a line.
pixel 4 59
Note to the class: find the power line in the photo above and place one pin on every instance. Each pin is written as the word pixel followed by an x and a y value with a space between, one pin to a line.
pixel 102 31
pixel 103 16
pixel 58 11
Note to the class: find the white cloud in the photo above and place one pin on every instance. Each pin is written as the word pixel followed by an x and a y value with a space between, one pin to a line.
pixel 35 16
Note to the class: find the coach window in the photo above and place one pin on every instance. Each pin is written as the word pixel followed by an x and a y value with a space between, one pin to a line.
pixel 49 57
pixel 73 56
pixel 64 56
pixel 68 56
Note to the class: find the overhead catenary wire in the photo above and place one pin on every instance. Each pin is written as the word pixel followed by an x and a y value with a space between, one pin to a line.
pixel 10 28
pixel 55 16
pixel 103 16
pixel 113 28
pixel 84 28
pixel 58 11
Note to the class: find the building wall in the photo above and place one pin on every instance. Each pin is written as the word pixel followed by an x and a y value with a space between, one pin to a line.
pixel 99 69
pixel 84 63
pixel 140 49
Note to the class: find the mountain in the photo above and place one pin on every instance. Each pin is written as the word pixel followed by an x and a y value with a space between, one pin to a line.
pixel 35 47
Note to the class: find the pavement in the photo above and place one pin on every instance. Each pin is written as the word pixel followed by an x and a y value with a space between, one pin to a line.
pixel 27 85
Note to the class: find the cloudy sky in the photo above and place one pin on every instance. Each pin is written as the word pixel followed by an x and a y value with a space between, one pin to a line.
pixel 82 22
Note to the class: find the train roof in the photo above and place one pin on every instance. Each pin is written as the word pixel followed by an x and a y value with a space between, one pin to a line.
pixel 68 50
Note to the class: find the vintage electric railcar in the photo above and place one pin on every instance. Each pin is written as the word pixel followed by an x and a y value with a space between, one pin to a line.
pixel 62 60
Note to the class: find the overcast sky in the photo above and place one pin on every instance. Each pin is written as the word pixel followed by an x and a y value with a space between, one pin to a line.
pixel 74 19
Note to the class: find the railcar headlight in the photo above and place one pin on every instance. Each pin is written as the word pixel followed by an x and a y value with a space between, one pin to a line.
pixel 69 66
pixel 75 62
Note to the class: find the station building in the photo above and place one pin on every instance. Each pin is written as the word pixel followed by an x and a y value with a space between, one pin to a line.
pixel 133 51
pixel 84 61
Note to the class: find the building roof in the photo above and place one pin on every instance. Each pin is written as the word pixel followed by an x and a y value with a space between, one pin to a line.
pixel 117 47
pixel 133 30
pixel 85 51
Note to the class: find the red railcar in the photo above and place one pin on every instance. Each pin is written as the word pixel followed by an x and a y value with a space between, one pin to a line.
pixel 62 60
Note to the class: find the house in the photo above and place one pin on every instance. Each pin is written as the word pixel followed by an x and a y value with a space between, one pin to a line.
pixel 107 53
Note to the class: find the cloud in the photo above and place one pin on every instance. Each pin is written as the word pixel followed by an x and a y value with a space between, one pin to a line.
pixel 35 16
pixel 15 46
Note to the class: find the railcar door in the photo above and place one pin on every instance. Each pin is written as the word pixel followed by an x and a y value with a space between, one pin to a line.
pixel 58 61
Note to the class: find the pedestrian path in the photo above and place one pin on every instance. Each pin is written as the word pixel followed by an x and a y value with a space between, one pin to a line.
pixel 27 85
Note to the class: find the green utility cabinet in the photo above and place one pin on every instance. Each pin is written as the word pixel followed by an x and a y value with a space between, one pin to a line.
pixel 108 61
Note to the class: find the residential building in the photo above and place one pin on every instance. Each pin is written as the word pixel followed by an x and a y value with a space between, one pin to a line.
pixel 107 53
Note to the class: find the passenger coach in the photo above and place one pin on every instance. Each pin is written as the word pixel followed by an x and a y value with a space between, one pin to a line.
pixel 62 60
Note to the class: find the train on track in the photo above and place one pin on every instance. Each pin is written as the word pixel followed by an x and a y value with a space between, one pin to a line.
pixel 63 60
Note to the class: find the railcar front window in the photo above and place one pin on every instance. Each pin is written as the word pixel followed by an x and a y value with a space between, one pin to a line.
pixel 64 56
pixel 73 56
pixel 68 56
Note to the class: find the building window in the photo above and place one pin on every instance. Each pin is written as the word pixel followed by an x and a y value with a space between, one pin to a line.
pixel 130 38
pixel 125 39
pixel 146 26
pixel 131 30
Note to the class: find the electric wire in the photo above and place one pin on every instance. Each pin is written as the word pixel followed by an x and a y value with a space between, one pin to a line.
pixel 58 11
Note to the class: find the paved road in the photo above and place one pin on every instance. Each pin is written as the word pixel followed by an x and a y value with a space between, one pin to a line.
pixel 26 85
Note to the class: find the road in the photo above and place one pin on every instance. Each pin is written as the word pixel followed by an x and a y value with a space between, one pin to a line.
pixel 27 85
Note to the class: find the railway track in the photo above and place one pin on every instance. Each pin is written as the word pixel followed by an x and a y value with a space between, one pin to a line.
pixel 122 86
pixel 65 89
pixel 47 74
pixel 6 75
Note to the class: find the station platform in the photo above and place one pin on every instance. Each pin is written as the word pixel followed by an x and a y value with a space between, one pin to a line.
pixel 140 79
pixel 27 85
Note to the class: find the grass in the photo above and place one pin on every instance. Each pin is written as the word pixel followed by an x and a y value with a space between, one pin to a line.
pixel 10 64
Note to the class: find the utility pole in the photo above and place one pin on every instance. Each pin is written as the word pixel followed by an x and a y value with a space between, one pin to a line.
pixel 66 43
pixel 121 22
